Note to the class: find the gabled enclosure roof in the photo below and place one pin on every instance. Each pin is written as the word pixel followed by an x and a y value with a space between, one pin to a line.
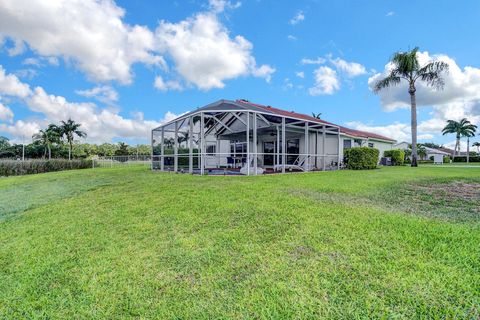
pixel 245 105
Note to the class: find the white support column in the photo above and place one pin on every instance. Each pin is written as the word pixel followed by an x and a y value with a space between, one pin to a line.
pixel 284 145
pixel 151 152
pixel 217 151
pixel 175 149
pixel 248 142
pixel 202 143
pixel 277 149
pixel 323 148
pixel 255 151
pixel 162 151
pixel 307 148
pixel 190 145
pixel 338 150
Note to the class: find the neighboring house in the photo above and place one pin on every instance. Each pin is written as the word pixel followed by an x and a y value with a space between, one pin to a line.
pixel 430 152
pixel 278 140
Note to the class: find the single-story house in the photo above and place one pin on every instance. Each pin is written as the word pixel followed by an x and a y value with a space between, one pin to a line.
pixel 434 153
pixel 248 138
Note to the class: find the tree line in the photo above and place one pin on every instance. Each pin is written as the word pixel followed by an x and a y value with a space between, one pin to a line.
pixel 58 141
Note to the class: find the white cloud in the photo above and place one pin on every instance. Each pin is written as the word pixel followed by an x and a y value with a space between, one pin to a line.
pixel 205 55
pixel 398 131
pixel 100 124
pixel 6 114
pixel 300 74
pixel 291 37
pixel 88 33
pixel 32 61
pixel 299 17
pixel 10 85
pixel 163 85
pixel 105 94
pixel 390 13
pixel 326 82
pixel 318 60
pixel 218 6
pixel 351 69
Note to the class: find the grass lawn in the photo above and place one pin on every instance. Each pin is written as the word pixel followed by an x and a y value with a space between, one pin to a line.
pixel 127 242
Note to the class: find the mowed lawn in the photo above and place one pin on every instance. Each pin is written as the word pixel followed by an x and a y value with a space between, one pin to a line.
pixel 130 243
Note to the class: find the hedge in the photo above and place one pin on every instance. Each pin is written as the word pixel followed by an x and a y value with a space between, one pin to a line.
pixel 361 158
pixel 464 159
pixel 397 156
pixel 18 167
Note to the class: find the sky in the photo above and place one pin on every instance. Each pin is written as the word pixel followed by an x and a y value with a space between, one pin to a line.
pixel 121 68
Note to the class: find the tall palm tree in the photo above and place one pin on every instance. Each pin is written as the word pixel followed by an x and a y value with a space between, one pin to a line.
pixel 477 144
pixel 69 129
pixel 462 128
pixel 46 138
pixel 407 67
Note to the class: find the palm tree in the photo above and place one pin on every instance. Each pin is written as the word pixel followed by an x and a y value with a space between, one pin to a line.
pixel 462 128
pixel 316 115
pixel 477 144
pixel 407 67
pixel 422 152
pixel 46 138
pixel 68 130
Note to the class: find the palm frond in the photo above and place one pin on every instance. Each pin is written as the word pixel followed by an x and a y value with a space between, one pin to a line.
pixel 431 74
pixel 391 80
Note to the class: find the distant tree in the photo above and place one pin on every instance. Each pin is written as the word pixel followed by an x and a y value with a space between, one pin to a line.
pixel 122 149
pixel 4 143
pixel 462 128
pixel 477 144
pixel 432 145
pixel 422 152
pixel 47 138
pixel 69 129
pixel 405 66
pixel 316 115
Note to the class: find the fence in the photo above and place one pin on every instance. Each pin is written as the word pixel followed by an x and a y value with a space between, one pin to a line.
pixel 120 161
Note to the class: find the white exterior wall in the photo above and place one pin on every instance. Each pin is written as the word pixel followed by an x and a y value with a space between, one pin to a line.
pixel 377 144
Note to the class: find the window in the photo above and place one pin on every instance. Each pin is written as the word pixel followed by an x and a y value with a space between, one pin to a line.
pixel 371 145
pixel 347 144
pixel 211 149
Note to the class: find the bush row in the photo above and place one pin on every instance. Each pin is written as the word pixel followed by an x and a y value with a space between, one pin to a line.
pixel 397 156
pixel 464 159
pixel 17 167
pixel 361 158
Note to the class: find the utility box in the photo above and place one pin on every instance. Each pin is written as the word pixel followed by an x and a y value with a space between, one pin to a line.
pixel 438 158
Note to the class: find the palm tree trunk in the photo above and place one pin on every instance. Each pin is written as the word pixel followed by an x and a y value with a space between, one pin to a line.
pixel 69 150
pixel 468 149
pixel 413 102
pixel 49 153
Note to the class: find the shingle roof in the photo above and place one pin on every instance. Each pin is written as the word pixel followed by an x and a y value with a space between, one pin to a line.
pixel 344 130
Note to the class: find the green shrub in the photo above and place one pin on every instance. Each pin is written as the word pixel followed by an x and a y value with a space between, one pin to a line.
pixel 17 167
pixel 464 159
pixel 397 156
pixel 446 159
pixel 424 161
pixel 361 158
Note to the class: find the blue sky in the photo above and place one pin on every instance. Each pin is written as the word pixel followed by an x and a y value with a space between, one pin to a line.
pixel 122 67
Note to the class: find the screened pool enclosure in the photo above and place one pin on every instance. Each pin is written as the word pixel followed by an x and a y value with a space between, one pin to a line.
pixel 239 137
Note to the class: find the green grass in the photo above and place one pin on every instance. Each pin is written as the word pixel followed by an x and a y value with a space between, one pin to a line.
pixel 130 243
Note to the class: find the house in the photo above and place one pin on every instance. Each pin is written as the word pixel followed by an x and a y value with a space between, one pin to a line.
pixel 431 153
pixel 241 137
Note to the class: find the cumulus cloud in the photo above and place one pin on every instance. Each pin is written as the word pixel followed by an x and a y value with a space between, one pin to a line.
pixel 390 13
pixel 10 85
pixel 299 17
pixel 351 69
pixel 291 37
pixel 6 114
pixel 100 124
pixel 218 6
pixel 163 85
pixel 92 36
pixel 326 82
pixel 105 94
pixel 89 33
pixel 398 131
pixel 300 74
pixel 205 55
